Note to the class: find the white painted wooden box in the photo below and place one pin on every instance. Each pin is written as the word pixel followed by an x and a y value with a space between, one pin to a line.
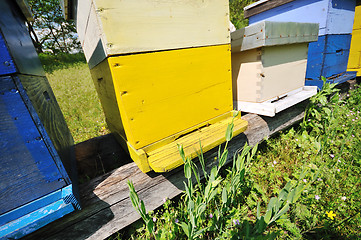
pixel 269 60
pixel 115 27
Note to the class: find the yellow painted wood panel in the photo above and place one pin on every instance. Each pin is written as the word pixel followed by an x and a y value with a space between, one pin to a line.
pixel 260 75
pixel 130 26
pixel 357 20
pixel 354 61
pixel 159 94
pixel 166 158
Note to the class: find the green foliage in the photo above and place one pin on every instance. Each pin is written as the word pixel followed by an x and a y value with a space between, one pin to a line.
pixel 236 12
pixel 50 32
pixel 285 191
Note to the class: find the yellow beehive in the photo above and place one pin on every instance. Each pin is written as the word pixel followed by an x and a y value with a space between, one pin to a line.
pixel 354 62
pixel 162 70
pixel 153 99
pixel 112 27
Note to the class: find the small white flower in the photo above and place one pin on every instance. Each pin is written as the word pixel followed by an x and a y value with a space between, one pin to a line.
pixel 317 197
pixel 338 170
pixel 339 160
pixel 304 180
pixel 274 162
pixel 319 179
pixel 343 198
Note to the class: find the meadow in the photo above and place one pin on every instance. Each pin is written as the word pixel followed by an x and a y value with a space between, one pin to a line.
pixel 302 184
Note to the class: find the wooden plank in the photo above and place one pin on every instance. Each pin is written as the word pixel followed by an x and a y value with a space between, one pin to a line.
pixel 271 107
pixel 262 6
pixel 27 168
pixel 333 16
pixel 55 130
pixel 182 84
pixel 166 158
pixel 107 207
pixel 120 27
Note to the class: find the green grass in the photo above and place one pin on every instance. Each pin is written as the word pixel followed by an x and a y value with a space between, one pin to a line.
pixel 321 158
pixel 78 100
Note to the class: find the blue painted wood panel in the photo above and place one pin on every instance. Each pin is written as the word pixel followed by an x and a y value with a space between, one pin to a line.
pixel 328 56
pixel 343 77
pixel 333 16
pixel 6 63
pixel 30 217
pixel 27 169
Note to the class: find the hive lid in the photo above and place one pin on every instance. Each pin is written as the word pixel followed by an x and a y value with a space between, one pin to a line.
pixel 267 33
pixel 262 6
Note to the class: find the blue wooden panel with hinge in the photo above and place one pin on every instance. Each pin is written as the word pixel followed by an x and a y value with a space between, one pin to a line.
pixel 340 78
pixel 32 216
pixel 7 65
pixel 333 16
pixel 328 56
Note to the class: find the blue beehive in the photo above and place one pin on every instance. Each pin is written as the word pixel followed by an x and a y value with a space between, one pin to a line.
pixel 37 160
pixel 328 56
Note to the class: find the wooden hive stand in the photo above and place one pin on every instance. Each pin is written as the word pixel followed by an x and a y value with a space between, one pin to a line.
pixel 328 57
pixel 162 70
pixel 37 162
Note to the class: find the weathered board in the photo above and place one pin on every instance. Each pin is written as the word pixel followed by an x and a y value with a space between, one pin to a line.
pixel 17 40
pixel 107 207
pixel 30 167
pixel 110 27
pixel 262 6
pixel 333 16
pixel 354 62
pixel 145 95
pixel 44 102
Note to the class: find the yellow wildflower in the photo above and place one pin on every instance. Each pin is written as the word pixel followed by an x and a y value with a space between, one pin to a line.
pixel 331 215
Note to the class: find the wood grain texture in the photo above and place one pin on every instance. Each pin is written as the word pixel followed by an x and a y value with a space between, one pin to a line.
pixel 333 16
pixel 154 91
pixel 107 207
pixel 27 168
pixel 263 6
pixel 328 56
pixel 57 135
pixel 119 27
